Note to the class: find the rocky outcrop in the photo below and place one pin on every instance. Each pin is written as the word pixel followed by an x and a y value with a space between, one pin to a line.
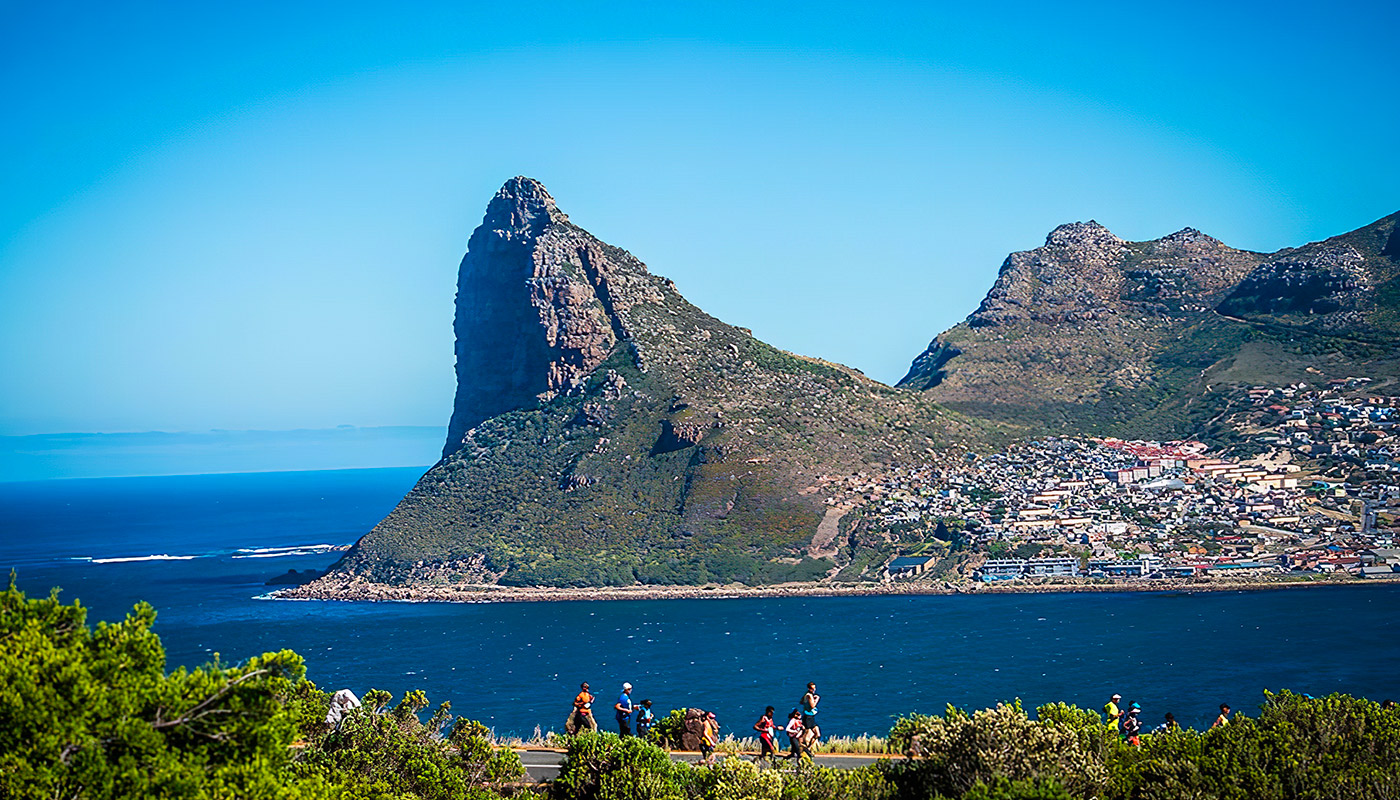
pixel 1074 275
pixel 692 729
pixel 1185 271
pixel 1084 272
pixel 1347 285
pixel 1330 279
pixel 927 370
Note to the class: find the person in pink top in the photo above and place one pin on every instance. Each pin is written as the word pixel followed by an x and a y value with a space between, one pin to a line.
pixel 795 731
pixel 765 728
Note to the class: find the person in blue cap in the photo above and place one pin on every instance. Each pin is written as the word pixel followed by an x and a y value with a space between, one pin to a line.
pixel 624 709
pixel 1132 725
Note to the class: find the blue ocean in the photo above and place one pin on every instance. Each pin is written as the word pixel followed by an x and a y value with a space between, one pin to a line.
pixel 216 540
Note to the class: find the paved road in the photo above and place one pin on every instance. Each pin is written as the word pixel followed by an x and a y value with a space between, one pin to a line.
pixel 543 765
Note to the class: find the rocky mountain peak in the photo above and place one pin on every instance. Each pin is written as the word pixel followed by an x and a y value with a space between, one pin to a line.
pixel 534 312
pixel 607 431
pixel 1189 236
pixel 522 206
pixel 1087 236
pixel 1073 276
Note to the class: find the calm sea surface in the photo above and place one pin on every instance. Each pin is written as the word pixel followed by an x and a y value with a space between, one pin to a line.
pixel 515 666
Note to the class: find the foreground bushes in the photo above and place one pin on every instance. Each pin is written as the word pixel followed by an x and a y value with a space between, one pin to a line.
pixel 1338 747
pixel 1333 747
pixel 92 713
pixel 600 766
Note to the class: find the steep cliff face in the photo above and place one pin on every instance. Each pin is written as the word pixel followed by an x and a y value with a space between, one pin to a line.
pixel 1091 333
pixel 533 307
pixel 606 431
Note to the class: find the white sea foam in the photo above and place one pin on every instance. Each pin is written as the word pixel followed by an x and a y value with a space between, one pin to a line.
pixel 159 557
pixel 242 552
pixel 277 552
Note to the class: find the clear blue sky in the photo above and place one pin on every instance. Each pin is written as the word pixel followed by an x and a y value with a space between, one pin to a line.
pixel 250 215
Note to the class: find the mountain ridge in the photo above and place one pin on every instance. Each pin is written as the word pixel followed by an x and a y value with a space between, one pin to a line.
pixel 1090 333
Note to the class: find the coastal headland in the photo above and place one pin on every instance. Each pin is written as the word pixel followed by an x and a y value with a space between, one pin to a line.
pixel 1174 411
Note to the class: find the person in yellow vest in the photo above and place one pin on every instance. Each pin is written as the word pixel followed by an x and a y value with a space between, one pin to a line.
pixel 709 739
pixel 1111 711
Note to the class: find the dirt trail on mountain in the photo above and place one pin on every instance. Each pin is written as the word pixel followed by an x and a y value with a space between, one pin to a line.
pixel 824 543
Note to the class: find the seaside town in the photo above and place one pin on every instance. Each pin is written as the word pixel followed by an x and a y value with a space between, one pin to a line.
pixel 1312 488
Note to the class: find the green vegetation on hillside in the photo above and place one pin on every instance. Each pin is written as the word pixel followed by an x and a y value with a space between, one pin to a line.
pixel 657 477
pixel 577 492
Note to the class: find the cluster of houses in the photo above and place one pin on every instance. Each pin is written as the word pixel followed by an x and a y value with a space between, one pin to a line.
pixel 1338 424
pixel 1070 507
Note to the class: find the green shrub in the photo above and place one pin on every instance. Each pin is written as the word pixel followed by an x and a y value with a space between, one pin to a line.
pixel 736 779
pixel 93 713
pixel 1331 747
pixel 396 754
pixel 602 766
pixel 827 783
pixel 1005 789
pixel 667 730
pixel 962 750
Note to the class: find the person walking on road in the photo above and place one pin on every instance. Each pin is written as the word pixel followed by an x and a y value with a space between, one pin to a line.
pixel 809 711
pixel 645 719
pixel 1224 718
pixel 709 739
pixel 582 718
pixel 624 709
pixel 795 733
pixel 1111 712
pixel 1168 725
pixel 1132 725
pixel 765 728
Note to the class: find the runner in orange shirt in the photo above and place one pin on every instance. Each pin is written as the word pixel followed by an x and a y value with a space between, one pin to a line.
pixel 583 709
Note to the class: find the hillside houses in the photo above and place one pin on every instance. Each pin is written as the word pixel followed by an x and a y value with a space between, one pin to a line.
pixel 1115 508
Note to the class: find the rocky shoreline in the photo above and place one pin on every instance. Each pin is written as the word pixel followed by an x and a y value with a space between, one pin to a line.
pixel 360 590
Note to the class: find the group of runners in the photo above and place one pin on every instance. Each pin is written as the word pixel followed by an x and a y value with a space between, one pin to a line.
pixel 800 727
pixel 1129 722
pixel 801 724
pixel 624 710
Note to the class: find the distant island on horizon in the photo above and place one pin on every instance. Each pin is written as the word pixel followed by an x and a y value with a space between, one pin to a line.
pixel 1174 410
